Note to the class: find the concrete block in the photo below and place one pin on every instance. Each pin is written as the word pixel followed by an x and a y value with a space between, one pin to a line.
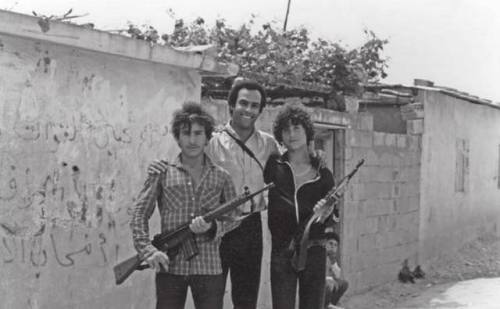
pixel 376 276
pixel 395 205
pixel 358 138
pixel 366 121
pixel 368 242
pixel 348 152
pixel 409 174
pixel 401 140
pixel 367 261
pixel 387 239
pixel 411 159
pixel 395 175
pixel 351 209
pixel 376 190
pixel 410 189
pixel 390 139
pixel 408 237
pixel 358 153
pixel 355 192
pixel 372 157
pixel 407 221
pixel 395 190
pixel 391 159
pixel 409 204
pixel 415 127
pixel 377 207
pixel 370 225
pixel 351 231
pixel 378 139
pixel 398 253
pixel 386 223
pixel 415 142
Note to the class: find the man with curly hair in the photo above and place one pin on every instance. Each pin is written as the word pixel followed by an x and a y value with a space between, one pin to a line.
pixel 189 186
pixel 301 181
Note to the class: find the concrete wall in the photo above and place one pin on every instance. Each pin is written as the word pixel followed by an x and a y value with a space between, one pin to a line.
pixel 76 130
pixel 380 217
pixel 448 218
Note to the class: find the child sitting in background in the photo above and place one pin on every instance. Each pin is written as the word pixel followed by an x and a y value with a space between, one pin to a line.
pixel 336 286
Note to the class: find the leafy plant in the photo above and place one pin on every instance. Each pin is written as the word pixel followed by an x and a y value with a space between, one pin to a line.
pixel 276 57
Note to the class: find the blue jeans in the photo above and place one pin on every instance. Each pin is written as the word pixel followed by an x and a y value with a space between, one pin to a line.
pixel 207 291
pixel 311 280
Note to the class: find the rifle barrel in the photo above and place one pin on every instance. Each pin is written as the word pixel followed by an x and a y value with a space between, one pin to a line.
pixel 124 269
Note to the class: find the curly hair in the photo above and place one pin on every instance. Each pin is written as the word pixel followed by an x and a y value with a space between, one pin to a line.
pixel 190 113
pixel 242 83
pixel 293 114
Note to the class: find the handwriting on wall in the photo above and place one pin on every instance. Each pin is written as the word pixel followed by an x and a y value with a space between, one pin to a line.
pixel 101 135
pixel 68 136
pixel 60 248
pixel 61 195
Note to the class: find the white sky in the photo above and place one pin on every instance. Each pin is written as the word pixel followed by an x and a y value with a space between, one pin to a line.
pixel 455 43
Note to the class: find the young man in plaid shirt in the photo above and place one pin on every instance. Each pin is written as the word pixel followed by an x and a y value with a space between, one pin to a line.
pixel 190 186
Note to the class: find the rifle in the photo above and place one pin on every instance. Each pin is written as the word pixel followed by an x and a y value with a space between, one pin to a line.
pixel 171 241
pixel 332 197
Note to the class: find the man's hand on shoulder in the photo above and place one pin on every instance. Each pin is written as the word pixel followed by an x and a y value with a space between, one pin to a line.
pixel 157 167
pixel 320 154
pixel 219 128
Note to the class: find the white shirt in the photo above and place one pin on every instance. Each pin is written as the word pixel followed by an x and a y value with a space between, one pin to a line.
pixel 244 171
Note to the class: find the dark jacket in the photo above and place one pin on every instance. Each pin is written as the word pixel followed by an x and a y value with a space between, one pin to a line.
pixel 282 218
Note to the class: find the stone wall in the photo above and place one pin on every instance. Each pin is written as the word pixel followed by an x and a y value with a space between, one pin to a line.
pixel 76 131
pixel 380 217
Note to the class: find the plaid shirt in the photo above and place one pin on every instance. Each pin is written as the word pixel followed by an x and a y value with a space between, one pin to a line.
pixel 178 200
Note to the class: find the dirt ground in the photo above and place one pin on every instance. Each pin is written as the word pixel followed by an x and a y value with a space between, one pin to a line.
pixel 477 259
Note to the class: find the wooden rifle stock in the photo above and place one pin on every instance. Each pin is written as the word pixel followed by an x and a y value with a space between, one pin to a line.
pixel 300 242
pixel 171 241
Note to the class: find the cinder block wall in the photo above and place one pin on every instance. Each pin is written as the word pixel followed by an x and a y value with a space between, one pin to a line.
pixel 380 218
pixel 76 131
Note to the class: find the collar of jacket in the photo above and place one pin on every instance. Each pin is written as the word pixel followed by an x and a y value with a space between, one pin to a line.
pixel 316 161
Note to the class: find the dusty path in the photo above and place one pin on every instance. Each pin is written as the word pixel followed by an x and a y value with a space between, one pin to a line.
pixel 447 284
pixel 483 293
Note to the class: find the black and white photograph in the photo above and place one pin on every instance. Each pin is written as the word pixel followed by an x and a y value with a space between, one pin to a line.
pixel 249 154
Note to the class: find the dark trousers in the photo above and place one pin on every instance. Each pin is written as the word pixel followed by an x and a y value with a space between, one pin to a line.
pixel 241 255
pixel 207 291
pixel 333 296
pixel 311 280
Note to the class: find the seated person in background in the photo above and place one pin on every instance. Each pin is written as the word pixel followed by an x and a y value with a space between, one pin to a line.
pixel 335 283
